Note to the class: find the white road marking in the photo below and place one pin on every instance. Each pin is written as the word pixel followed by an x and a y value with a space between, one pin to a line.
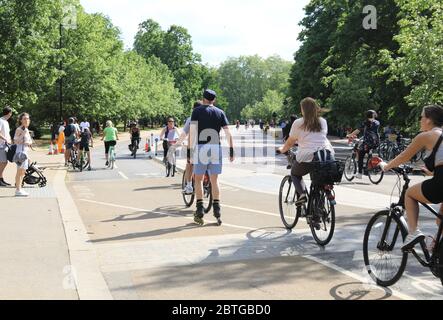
pixel 123 175
pixel 251 210
pixel 165 214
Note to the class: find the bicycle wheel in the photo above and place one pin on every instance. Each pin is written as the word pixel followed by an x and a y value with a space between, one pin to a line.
pixel 384 259
pixel 86 161
pixel 322 222
pixel 112 156
pixel 82 162
pixel 289 213
pixel 375 174
pixel 207 195
pixel 350 168
pixel 439 261
pixel 187 198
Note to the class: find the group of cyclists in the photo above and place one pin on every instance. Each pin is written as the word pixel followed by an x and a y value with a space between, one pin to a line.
pixel 310 133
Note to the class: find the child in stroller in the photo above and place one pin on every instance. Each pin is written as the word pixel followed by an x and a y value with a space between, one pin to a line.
pixel 34 176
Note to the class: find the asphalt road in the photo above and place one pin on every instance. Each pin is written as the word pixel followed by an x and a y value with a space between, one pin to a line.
pixel 149 247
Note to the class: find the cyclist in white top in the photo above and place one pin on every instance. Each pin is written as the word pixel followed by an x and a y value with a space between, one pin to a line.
pixel 310 132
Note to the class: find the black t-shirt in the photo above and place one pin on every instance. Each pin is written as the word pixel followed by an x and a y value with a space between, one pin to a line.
pixel 370 132
pixel 70 131
pixel 85 137
pixel 210 121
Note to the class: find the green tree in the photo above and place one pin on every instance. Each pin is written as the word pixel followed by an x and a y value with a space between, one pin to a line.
pixel 419 62
pixel 272 103
pixel 174 48
pixel 245 80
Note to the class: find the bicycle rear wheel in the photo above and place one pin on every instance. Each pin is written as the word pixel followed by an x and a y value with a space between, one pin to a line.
pixel 350 168
pixel 383 240
pixel 207 195
pixel 322 222
pixel 187 198
pixel 289 213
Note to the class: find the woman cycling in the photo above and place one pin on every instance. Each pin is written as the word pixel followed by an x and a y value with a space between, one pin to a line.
pixel 429 191
pixel 311 134
pixel 371 138
pixel 110 136
pixel 169 135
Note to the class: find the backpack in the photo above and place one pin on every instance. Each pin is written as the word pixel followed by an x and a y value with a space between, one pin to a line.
pixel 10 153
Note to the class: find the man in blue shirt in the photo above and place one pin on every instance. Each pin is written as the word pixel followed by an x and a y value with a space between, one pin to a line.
pixel 206 124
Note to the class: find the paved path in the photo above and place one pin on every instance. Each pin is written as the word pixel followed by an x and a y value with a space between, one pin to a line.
pixel 148 247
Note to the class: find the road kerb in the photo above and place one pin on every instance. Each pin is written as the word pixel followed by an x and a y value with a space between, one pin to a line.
pixel 90 282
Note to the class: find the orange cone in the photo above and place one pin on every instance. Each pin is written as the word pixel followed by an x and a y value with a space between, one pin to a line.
pixel 147 149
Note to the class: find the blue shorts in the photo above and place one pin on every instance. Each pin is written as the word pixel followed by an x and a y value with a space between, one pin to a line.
pixel 208 158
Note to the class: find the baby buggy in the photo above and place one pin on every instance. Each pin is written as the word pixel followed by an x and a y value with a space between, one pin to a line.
pixel 34 176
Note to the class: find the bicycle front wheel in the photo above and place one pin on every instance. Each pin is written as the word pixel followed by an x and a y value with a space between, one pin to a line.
pixel 322 222
pixel 289 213
pixel 375 174
pixel 350 168
pixel 384 259
pixel 187 198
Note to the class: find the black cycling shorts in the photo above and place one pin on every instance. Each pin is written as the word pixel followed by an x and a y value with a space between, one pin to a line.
pixel 84 147
pixel 433 189
pixel 108 145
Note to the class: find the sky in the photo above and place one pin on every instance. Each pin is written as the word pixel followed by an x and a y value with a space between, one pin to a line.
pixel 219 28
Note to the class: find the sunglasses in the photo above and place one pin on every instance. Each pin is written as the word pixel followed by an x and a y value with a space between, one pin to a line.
pixel 171 121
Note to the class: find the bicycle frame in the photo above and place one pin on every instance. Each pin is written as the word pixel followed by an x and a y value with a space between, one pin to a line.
pixel 398 209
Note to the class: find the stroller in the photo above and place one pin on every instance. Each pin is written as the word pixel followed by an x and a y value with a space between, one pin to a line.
pixel 34 176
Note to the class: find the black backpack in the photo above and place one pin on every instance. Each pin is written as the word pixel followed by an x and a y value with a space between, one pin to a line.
pixel 10 153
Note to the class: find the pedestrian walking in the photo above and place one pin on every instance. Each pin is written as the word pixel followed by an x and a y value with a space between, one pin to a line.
pixel 5 138
pixel 23 140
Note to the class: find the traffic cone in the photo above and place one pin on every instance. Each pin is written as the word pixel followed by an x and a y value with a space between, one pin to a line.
pixel 51 150
pixel 147 146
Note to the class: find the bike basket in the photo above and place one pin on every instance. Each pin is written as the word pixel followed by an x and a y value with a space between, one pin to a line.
pixel 327 172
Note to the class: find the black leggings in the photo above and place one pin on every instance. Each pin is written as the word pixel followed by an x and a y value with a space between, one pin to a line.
pixel 362 152
pixel 109 144
pixel 300 169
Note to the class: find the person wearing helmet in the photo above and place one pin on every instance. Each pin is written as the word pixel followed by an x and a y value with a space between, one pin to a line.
pixel 371 138
pixel 134 130
pixel 71 135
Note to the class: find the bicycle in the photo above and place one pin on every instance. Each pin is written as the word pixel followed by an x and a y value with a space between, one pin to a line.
pixel 112 158
pixel 75 159
pixel 207 192
pixel 381 235
pixel 170 159
pixel 134 146
pixel 84 160
pixel 370 167
pixel 319 211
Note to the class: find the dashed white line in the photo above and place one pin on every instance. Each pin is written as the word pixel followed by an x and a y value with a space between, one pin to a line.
pixel 164 214
pixel 123 175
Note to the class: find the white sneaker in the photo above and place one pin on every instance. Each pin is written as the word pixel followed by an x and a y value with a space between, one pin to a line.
pixel 188 189
pixel 21 193
pixel 359 176
pixel 412 239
